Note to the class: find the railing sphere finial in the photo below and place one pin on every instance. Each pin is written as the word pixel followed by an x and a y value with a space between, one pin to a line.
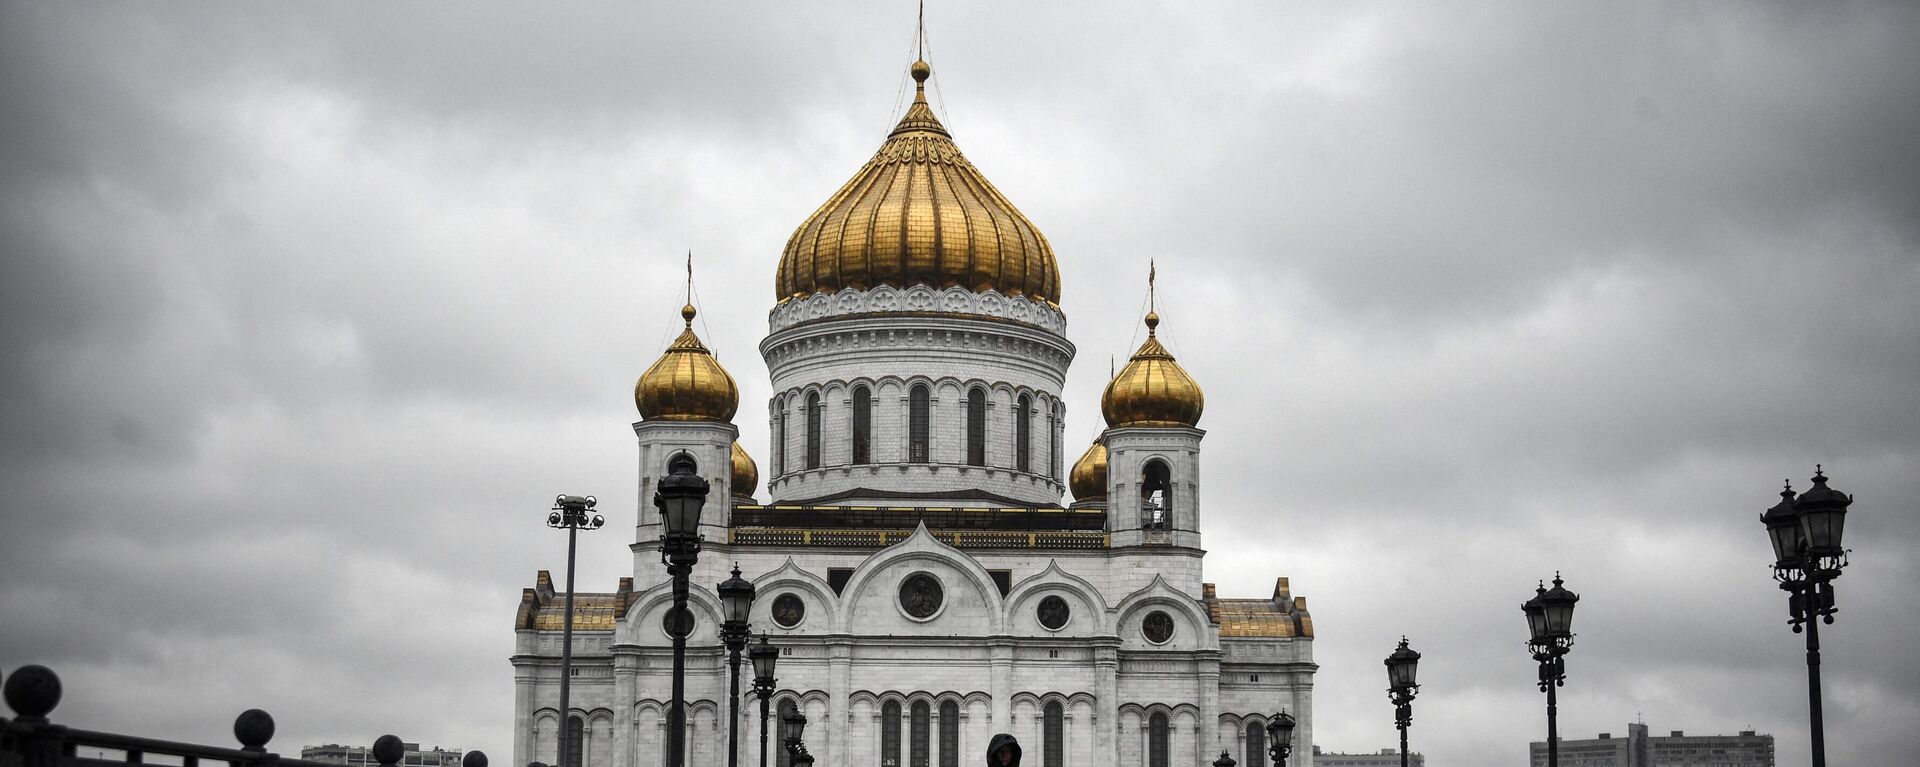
pixel 389 749
pixel 253 728
pixel 33 691
pixel 474 759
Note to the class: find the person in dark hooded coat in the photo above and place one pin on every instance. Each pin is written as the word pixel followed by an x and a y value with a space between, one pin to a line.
pixel 1003 751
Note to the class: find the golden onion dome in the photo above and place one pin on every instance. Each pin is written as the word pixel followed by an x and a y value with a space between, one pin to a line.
pixel 686 383
pixel 746 475
pixel 1152 390
pixel 1088 480
pixel 918 213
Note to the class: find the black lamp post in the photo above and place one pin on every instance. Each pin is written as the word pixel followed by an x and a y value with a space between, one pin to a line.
pixel 1401 666
pixel 1225 760
pixel 736 601
pixel 1280 738
pixel 1807 557
pixel 680 496
pixel 571 513
pixel 764 656
pixel 1550 619
pixel 796 723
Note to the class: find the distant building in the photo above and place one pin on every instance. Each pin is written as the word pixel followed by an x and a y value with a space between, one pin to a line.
pixel 1678 749
pixel 362 756
pixel 1387 757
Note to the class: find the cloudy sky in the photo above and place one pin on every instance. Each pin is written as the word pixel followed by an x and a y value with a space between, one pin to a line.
pixel 308 310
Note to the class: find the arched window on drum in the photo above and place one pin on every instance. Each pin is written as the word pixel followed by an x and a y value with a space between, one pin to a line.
pixel 919 403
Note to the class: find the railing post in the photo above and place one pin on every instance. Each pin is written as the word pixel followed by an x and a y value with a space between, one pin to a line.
pixel 253 728
pixel 389 749
pixel 33 692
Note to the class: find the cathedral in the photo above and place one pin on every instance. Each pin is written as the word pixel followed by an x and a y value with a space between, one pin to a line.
pixel 914 558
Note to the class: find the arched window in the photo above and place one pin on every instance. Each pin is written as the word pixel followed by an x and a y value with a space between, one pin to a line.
pixel 890 734
pixel 1156 497
pixel 1256 744
pixel 814 412
pixel 949 734
pixel 780 439
pixel 977 427
pixel 918 732
pixel 576 742
pixel 779 745
pixel 1053 441
pixel 1157 740
pixel 862 425
pixel 1053 736
pixel 1022 433
pixel 919 400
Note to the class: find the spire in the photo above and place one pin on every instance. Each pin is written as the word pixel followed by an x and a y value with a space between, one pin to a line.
pixel 1153 299
pixel 687 312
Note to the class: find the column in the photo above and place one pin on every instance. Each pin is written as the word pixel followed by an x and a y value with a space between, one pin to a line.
pixel 625 671
pixel 839 719
pixel 1001 654
pixel 1303 716
pixel 1203 737
pixel 1106 703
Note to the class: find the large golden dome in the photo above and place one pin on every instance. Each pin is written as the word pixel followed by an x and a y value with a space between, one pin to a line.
pixel 918 213
pixel 1152 390
pixel 686 383
pixel 1089 477
pixel 746 475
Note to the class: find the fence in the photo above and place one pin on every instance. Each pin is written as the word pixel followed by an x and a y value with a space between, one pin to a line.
pixel 29 739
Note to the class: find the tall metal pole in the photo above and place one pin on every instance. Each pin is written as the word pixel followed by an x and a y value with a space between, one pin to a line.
pixel 1813 596
pixel 733 707
pixel 1553 728
pixel 766 700
pixel 566 656
pixel 677 715
pixel 570 512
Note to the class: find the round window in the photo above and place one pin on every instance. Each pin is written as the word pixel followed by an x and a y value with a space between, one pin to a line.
pixel 1157 627
pixel 789 610
pixel 920 595
pixel 1053 612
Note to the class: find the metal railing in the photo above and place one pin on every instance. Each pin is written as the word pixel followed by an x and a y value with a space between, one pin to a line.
pixel 29 739
pixel 1016 519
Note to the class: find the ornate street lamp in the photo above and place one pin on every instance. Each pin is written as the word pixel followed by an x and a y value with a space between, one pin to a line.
pixel 736 602
pixel 1225 760
pixel 1401 666
pixel 763 656
pixel 679 496
pixel 1550 620
pixel 572 513
pixel 1807 557
pixel 1280 738
pixel 796 723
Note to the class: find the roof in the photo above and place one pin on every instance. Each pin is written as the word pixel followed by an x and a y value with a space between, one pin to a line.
pixel 542 609
pixel 1281 616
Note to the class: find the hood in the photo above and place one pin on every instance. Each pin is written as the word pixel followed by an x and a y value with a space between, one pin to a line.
pixel 993 747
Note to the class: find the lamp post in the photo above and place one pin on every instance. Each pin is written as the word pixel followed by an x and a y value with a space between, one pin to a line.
pixel 736 601
pixel 1280 738
pixel 1550 619
pixel 764 656
pixel 796 723
pixel 1807 557
pixel 571 513
pixel 1401 666
pixel 1225 760
pixel 679 496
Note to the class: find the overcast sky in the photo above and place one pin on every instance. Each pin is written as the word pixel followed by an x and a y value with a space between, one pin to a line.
pixel 308 310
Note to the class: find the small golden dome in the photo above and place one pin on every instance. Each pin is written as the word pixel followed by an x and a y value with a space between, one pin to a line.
pixel 686 383
pixel 1152 390
pixel 1089 477
pixel 918 213
pixel 746 475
